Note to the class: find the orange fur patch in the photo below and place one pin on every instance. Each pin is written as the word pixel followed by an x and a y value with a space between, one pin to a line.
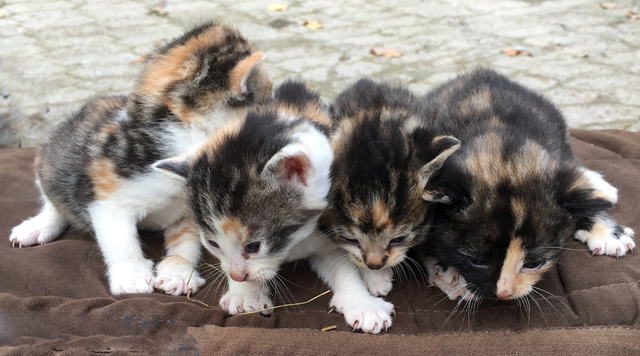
pixel 176 239
pixel 218 137
pixel 478 101
pixel 513 282
pixel 519 209
pixel 233 227
pixel 311 111
pixel 242 69
pixel 380 212
pixel 104 178
pixel 109 128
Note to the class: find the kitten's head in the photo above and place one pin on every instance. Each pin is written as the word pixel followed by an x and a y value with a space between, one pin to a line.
pixel 212 70
pixel 384 155
pixel 257 187
pixel 503 211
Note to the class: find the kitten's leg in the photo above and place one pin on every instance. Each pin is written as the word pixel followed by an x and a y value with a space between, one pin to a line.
pixel 350 296
pixel 448 279
pixel 598 182
pixel 379 282
pixel 117 235
pixel 40 229
pixel 604 236
pixel 177 273
pixel 246 296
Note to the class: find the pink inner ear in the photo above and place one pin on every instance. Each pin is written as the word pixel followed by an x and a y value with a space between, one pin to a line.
pixel 297 166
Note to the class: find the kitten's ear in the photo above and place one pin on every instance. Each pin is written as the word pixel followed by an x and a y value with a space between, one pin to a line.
pixel 250 75
pixel 442 147
pixel 291 164
pixel 176 167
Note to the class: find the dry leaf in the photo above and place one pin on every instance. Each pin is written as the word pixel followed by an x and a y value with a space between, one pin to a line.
pixel 608 5
pixel 274 6
pixel 389 53
pixel 511 52
pixel 158 9
pixel 140 59
pixel 314 25
pixel 632 15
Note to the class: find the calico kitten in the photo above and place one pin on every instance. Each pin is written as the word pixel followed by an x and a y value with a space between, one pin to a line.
pixel 385 153
pixel 95 171
pixel 507 201
pixel 257 188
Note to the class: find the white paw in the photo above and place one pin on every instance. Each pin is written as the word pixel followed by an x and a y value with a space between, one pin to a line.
pixel 172 277
pixel 35 231
pixel 236 303
pixel 606 237
pixel 367 313
pixel 131 277
pixel 380 282
pixel 448 280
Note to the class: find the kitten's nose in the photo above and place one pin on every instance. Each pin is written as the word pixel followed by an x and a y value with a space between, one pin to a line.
pixel 504 294
pixel 238 277
pixel 375 266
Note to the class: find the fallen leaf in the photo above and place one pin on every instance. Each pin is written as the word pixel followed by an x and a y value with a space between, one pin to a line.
pixel 158 9
pixel 511 52
pixel 274 6
pixel 140 59
pixel 608 5
pixel 632 15
pixel 314 25
pixel 389 53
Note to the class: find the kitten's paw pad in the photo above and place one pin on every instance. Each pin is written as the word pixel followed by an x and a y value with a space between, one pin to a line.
pixel 370 314
pixel 34 231
pixel 608 238
pixel 236 303
pixel 131 278
pixel 175 278
pixel 380 282
pixel 448 279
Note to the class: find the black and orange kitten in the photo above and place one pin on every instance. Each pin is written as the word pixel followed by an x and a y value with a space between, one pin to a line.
pixel 95 171
pixel 513 194
pixel 384 156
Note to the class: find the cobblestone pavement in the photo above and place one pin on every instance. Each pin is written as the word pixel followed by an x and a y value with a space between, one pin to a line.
pixel 55 55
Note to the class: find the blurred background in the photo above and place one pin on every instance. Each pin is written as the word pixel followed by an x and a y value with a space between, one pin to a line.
pixel 583 55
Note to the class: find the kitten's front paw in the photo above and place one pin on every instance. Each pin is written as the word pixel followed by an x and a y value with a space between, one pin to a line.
pixel 172 275
pixel 380 282
pixel 237 303
pixel 448 279
pixel 369 314
pixel 606 237
pixel 34 231
pixel 132 277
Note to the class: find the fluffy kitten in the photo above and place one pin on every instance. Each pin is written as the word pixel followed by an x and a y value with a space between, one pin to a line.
pixel 257 188
pixel 95 171
pixel 384 155
pixel 513 194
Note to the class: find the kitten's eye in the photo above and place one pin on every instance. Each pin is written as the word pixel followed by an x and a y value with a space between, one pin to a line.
pixel 397 241
pixel 213 244
pixel 253 247
pixel 350 241
pixel 534 264
pixel 478 263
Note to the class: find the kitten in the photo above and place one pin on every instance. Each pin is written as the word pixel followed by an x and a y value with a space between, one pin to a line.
pixel 385 153
pixel 95 171
pixel 257 188
pixel 507 201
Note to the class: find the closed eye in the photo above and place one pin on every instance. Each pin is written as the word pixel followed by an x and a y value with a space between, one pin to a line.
pixel 478 263
pixel 350 241
pixel 213 244
pixel 534 265
pixel 397 241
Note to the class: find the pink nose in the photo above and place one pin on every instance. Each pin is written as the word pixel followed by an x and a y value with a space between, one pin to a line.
pixel 504 294
pixel 238 277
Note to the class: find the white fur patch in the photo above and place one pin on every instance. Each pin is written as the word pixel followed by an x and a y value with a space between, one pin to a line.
pixel 603 240
pixel 245 297
pixel 451 282
pixel 380 282
pixel 40 229
pixel 598 182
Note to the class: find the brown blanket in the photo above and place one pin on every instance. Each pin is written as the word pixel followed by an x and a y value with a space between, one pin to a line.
pixel 54 299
